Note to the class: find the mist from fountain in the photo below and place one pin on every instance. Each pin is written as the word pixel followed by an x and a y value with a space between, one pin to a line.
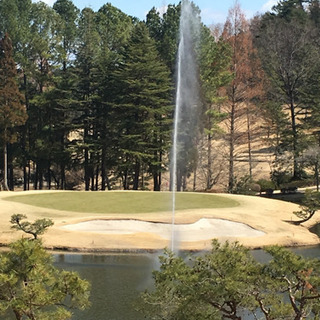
pixel 187 101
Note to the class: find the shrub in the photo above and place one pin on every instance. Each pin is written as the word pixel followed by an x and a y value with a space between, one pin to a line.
pixel 266 185
pixel 245 185
pixel 280 177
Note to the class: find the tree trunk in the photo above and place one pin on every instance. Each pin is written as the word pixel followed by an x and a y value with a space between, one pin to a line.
pixel 92 176
pixel 5 167
pixel 184 183
pixel 316 172
pixel 125 180
pixel 295 139
pixel 231 149
pixel 11 177
pixel 86 169
pixel 63 176
pixel 29 175
pixel 136 176
pixel 17 315
pixel 36 176
pixel 156 184
pixel 209 163
pixel 40 176
pixel 103 169
pixel 194 187
pixel 49 176
pixel 178 181
pixel 97 178
pixel 25 178
pixel 249 142
pixel 108 182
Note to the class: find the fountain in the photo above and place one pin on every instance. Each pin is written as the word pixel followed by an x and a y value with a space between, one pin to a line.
pixel 187 101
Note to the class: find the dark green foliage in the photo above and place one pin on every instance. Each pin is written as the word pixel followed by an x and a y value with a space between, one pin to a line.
pixel 265 184
pixel 228 283
pixel 245 185
pixel 145 99
pixel 67 29
pixel 35 229
pixel 32 288
pixel 309 206
pixel 87 72
pixel 103 36
pixel 291 9
pixel 154 24
pixel 165 30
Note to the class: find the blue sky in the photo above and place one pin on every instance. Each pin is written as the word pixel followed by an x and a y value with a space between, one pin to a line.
pixel 212 11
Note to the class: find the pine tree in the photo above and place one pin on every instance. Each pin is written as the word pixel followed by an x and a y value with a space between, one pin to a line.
pixel 60 99
pixel 12 109
pixel 214 73
pixel 112 47
pixel 31 287
pixel 146 103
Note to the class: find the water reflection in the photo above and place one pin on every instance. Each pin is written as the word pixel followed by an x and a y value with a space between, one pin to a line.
pixel 116 281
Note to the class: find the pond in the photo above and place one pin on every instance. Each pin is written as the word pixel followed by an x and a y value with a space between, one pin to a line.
pixel 116 282
pixel 118 279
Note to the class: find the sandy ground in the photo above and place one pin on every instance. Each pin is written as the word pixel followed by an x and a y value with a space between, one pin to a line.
pixel 255 223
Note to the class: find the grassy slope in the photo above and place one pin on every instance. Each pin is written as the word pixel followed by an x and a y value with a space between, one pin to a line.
pixel 122 202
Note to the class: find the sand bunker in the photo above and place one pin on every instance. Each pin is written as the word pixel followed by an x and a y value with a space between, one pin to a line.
pixel 203 229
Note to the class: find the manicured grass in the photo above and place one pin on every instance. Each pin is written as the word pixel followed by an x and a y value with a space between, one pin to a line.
pixel 122 202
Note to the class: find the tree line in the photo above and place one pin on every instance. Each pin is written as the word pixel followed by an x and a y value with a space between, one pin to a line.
pixel 87 98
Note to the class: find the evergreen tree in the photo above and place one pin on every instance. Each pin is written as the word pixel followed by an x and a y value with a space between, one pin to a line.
pixel 228 283
pixel 115 29
pixel 145 100
pixel 165 31
pixel 214 61
pixel 45 53
pixel 290 9
pixel 30 286
pixel 154 24
pixel 87 71
pixel 67 29
pixel 61 98
pixel 12 109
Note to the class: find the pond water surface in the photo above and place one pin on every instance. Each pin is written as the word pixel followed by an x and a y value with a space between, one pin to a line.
pixel 116 282
pixel 118 279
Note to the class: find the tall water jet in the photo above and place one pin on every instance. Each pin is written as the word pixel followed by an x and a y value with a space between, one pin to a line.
pixel 187 102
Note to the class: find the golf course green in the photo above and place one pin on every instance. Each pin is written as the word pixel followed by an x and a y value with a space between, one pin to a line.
pixel 122 202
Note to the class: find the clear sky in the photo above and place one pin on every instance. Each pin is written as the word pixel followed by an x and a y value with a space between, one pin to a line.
pixel 212 11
